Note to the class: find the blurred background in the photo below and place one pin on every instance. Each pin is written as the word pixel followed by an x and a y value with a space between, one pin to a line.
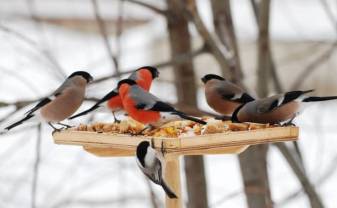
pixel 266 46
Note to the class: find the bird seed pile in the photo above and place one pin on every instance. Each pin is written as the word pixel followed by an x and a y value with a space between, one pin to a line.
pixel 171 130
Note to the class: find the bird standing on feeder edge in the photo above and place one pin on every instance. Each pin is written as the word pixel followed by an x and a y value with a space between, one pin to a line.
pixel 223 96
pixel 112 102
pixel 277 109
pixel 146 108
pixel 63 102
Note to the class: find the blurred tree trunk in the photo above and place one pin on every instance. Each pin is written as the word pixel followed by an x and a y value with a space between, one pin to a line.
pixel 253 162
pixel 224 28
pixel 180 43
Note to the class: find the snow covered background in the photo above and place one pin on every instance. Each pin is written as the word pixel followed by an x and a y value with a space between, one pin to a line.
pixel 70 177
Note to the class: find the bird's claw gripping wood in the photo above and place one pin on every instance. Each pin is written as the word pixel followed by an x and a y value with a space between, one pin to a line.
pixel 65 125
pixel 116 120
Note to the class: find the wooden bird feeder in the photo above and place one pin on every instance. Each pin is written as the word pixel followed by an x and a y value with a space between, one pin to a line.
pixel 117 145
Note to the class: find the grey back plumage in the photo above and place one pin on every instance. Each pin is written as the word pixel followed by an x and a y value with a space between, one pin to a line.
pixel 224 88
pixel 142 98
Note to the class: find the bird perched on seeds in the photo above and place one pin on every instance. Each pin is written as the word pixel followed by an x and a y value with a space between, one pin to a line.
pixel 222 95
pixel 150 162
pixel 147 108
pixel 62 103
pixel 277 109
pixel 112 102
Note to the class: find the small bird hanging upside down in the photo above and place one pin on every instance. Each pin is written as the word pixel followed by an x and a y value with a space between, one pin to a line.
pixel 151 164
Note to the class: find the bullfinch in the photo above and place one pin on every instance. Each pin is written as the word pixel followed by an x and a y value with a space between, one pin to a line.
pixel 222 95
pixel 62 103
pixel 112 102
pixel 277 109
pixel 150 162
pixel 147 108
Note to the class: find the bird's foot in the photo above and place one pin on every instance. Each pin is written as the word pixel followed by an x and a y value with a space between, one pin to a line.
pixel 56 130
pixel 115 118
pixel 288 124
pixel 117 121
pixel 65 125
pixel 223 118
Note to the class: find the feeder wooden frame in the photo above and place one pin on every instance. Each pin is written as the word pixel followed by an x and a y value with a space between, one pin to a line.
pixel 118 145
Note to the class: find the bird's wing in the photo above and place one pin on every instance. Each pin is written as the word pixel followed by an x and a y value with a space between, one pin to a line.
pixel 51 97
pixel 271 103
pixel 229 91
pixel 142 99
pixel 152 172
pixel 60 89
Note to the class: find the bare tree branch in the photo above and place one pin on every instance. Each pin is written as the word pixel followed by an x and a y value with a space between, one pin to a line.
pixel 225 198
pixel 149 6
pixel 153 198
pixel 36 167
pixel 271 62
pixel 224 57
pixel 223 23
pixel 329 14
pixel 323 178
pixel 41 33
pixel 313 197
pixel 177 59
pixel 85 202
pixel 312 66
pixel 104 34
pixel 263 69
pixel 44 53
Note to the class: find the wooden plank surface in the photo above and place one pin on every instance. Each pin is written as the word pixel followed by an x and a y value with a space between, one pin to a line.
pixel 104 144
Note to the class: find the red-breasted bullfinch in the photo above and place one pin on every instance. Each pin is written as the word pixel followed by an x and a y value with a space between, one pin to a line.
pixel 146 108
pixel 222 95
pixel 62 103
pixel 112 102
pixel 277 109
pixel 151 164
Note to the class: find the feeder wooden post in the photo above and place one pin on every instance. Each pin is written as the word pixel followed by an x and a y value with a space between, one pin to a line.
pixel 172 178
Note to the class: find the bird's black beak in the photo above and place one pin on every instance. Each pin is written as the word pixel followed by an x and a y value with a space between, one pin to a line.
pixel 156 74
pixel 204 80
pixel 90 79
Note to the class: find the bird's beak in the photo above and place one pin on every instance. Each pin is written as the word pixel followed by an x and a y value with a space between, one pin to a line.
pixel 157 74
pixel 91 79
pixel 203 80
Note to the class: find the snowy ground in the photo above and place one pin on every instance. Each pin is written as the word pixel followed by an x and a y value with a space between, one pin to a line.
pixel 69 177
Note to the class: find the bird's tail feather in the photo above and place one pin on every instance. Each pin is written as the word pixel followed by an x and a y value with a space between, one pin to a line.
pixel 307 91
pixel 167 190
pixel 184 116
pixel 29 116
pixel 317 99
pixel 85 112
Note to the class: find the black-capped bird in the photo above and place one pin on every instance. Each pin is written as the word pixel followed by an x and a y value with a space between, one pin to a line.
pixel 222 95
pixel 112 102
pixel 150 162
pixel 146 108
pixel 62 103
pixel 277 109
